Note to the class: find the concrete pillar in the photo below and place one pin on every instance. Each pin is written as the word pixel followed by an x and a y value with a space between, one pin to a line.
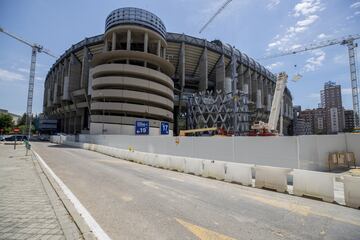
pixel 245 86
pixel 82 119
pixel 260 91
pixel 48 100
pixel 65 122
pixel 159 48
pixel 203 69
pixel 146 42
pixel 55 93
pixel 85 69
pixel 62 126
pixel 106 45
pixel 254 84
pixel 74 122
pixel 164 53
pixel 220 74
pixel 113 46
pixel 265 93
pixel 182 66
pixel 233 68
pixel 74 73
pixel 240 77
pixel 249 75
pixel 128 40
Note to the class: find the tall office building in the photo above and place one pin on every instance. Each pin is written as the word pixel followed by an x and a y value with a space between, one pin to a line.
pixel 332 103
pixel 349 120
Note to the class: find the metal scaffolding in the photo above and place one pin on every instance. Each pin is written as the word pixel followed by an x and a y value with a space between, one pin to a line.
pixel 225 111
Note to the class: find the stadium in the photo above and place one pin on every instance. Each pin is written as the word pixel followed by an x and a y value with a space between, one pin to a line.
pixel 138 72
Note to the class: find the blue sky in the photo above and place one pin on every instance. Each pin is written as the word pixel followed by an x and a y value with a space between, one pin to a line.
pixel 256 27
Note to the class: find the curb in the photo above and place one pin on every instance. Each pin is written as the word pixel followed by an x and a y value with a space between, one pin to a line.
pixel 84 229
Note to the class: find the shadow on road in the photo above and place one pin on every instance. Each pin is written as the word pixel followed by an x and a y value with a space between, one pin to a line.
pixel 60 146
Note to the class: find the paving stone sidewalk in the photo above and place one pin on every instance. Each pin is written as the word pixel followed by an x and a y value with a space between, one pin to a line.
pixel 29 206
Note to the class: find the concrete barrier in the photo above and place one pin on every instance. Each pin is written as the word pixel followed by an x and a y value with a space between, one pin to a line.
pixel 91 147
pixel 86 146
pixel 314 184
pixel 105 150
pixel 352 191
pixel 177 163
pixel 239 173
pixel 162 161
pixel 193 165
pixel 271 177
pixel 118 153
pixel 214 169
pixel 139 157
pixel 309 183
pixel 149 159
pixel 131 156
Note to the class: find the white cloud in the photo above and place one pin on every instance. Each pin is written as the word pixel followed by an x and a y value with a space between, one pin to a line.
pixel 272 4
pixel 6 75
pixel 355 5
pixel 282 43
pixel 307 21
pixel 274 65
pixel 346 91
pixel 307 7
pixel 295 46
pixel 315 61
pixel 24 70
pixel 322 36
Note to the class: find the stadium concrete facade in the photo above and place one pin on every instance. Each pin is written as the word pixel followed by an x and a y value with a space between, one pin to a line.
pixel 136 70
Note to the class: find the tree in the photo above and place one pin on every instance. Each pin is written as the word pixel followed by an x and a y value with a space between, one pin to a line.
pixel 6 122
pixel 22 120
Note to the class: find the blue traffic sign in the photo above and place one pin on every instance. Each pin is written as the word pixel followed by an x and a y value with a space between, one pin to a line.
pixel 142 127
pixel 164 128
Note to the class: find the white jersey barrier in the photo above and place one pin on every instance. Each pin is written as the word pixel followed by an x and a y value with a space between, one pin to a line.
pixel 161 161
pixel 193 166
pixel 309 183
pixel 177 163
pixel 239 173
pixel 271 177
pixel 214 169
pixel 352 191
pixel 314 184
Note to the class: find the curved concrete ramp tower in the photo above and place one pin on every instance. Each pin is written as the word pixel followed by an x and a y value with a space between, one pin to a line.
pixel 131 77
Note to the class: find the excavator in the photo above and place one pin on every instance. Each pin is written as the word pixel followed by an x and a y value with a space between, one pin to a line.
pixel 261 128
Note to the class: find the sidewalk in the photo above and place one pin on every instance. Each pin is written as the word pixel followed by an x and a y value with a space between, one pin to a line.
pixel 29 206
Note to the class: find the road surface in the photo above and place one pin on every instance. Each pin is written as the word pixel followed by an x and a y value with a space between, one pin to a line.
pixel 134 201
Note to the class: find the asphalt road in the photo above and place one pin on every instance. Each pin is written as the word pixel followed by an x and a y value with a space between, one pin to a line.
pixel 133 201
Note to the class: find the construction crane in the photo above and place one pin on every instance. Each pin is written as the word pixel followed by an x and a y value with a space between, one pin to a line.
pixel 270 128
pixel 214 16
pixel 346 41
pixel 35 48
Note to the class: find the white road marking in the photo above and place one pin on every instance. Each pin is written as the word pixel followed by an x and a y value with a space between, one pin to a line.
pixel 93 225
